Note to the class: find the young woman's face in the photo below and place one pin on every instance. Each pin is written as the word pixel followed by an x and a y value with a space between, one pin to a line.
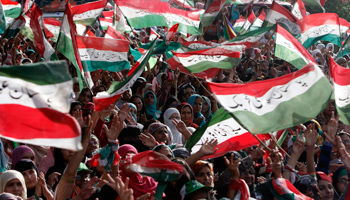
pixel 85 97
pixel 186 114
pixel 67 154
pixel 205 176
pixel 205 107
pixel 14 187
pixel 197 105
pixel 161 135
pixel 326 189
pixel 342 183
pixel 138 104
pixel 75 109
pixel 149 99
pixel 28 155
pixel 31 178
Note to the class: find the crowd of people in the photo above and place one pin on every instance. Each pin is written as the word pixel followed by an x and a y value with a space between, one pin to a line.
pixel 159 113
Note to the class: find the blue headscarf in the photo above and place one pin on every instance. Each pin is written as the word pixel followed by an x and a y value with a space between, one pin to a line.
pixel 234 14
pixel 191 101
pixel 209 114
pixel 152 109
pixel 131 105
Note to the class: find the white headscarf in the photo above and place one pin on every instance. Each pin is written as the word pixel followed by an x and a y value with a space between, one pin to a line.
pixel 320 46
pixel 177 136
pixel 10 175
pixel 330 45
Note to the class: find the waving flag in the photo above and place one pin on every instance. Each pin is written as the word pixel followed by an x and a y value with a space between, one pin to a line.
pixel 345 50
pixel 67 45
pixel 248 22
pixel 238 25
pixel 283 189
pixel 104 99
pixel 41 43
pixel 344 26
pixel 199 61
pixel 37 95
pixel 316 5
pixel 341 85
pixel 249 38
pixel 230 134
pixel 53 25
pixel 171 33
pixel 103 53
pixel 299 10
pixel 275 104
pixel 120 22
pixel 289 49
pixel 153 33
pixel 284 17
pixel 87 13
pixel 258 21
pixel 195 45
pixel 229 31
pixel 183 4
pixel 28 5
pixel 105 22
pixel 321 26
pixel 11 10
pixel 211 12
pixel 15 27
pixel 114 34
pixel 108 14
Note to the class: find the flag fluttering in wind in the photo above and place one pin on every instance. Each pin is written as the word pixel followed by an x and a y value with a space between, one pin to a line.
pixel 53 25
pixel 248 22
pixel 211 12
pixel 258 22
pixel 112 33
pixel 229 31
pixel 276 104
pixel 316 5
pixel 299 10
pixel 9 11
pixel 171 33
pixel 87 13
pixel 37 95
pixel 15 27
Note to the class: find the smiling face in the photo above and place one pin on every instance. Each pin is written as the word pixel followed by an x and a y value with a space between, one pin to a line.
pixel 85 97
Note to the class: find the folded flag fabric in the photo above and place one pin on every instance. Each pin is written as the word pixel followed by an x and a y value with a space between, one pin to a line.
pixel 344 26
pixel 211 12
pixel 248 22
pixel 229 31
pixel 53 25
pixel 321 26
pixel 299 10
pixel 230 134
pixel 195 45
pixel 41 43
pixel 15 27
pixel 258 21
pixel 105 22
pixel 316 5
pixel 37 95
pixel 114 34
pixel 283 189
pixel 120 22
pixel 171 33
pixel 199 61
pixel 238 25
pixel 289 49
pixel 341 90
pixel 103 53
pixel 10 10
pixel 104 99
pixel 284 17
pixel 87 13
pixel 275 104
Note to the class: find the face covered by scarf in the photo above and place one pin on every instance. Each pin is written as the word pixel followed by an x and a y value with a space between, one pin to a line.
pixel 177 136
pixel 152 109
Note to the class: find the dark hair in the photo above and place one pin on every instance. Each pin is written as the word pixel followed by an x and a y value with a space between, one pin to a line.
pixel 73 104
pixel 181 94
pixel 85 89
pixel 95 89
pixel 166 106
pixel 149 122
pixel 143 109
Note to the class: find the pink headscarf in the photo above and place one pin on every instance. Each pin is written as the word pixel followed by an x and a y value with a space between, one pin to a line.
pixel 18 153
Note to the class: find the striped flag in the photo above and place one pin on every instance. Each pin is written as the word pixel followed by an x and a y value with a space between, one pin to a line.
pixel 283 189
pixel 258 21
pixel 105 22
pixel 53 25
pixel 37 96
pixel 28 5
pixel 248 22
pixel 344 26
pixel 275 104
pixel 41 43
pixel 15 27
pixel 114 34
pixel 229 31
pixel 284 17
pixel 182 4
pixel 104 99
pixel 87 13
pixel 289 49
pixel 299 10
pixel 120 22
pixel 108 14
pixel 103 53
pixel 341 90
pixel 26 30
pixel 195 45
pixel 199 61
pixel 238 25
pixel 11 10
pixel 67 45
pixel 171 33
pixel 321 26
pixel 153 33
pixel 211 12
pixel 316 5
pixel 230 134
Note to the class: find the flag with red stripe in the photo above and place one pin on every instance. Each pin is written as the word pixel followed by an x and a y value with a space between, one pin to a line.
pixel 299 10
pixel 171 33
pixel 87 13
pixel 112 33
pixel 283 189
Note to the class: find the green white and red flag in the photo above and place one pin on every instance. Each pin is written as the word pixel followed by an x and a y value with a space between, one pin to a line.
pixel 248 22
pixel 41 43
pixel 183 4
pixel 67 45
pixel 199 61
pixel 230 134
pixel 28 5
pixel 114 34
pixel 282 188
pixel 315 5
pixel 284 17
pixel 105 22
pixel 37 96
pixel 153 33
pixel 195 45
pixel 258 21
pixel 53 25
pixel 276 104
pixel 288 48
pixel 248 39
pixel 148 163
pixel 321 26
pixel 11 10
pixel 299 10
pixel 211 12
pixel 87 13
pixel 104 99
pixel 120 22
pixel 15 27
pixel 238 25
pixel 108 14
pixel 341 90
pixel 26 30
pixel 103 53
pixel 344 26
pixel 171 33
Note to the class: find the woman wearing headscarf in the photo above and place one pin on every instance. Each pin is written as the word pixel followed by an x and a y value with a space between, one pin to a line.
pixel 171 102
pixel 142 116
pixel 324 183
pixel 186 113
pixel 340 181
pixel 140 185
pixel 196 102
pixel 22 152
pixel 169 115
pixel 206 109
pixel 234 13
pixel 12 181
pixel 150 100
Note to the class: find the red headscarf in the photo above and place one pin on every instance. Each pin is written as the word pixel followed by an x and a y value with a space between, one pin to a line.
pixel 180 107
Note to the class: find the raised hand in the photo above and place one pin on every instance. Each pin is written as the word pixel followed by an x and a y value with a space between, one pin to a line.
pixel 208 147
pixel 298 145
pixel 332 127
pixel 78 115
pixel 180 125
pixel 311 135
pixel 115 129
pixel 148 140
pixel 232 166
pixel 123 190
pixel 345 156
